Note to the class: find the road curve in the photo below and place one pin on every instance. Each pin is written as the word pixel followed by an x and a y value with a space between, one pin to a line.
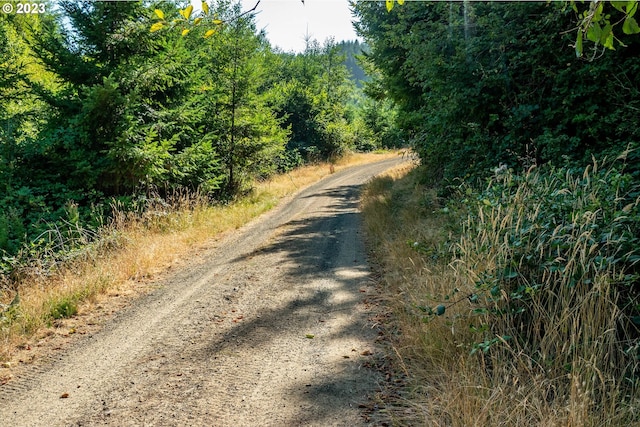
pixel 267 329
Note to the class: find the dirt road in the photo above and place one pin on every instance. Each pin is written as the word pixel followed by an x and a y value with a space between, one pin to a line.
pixel 267 329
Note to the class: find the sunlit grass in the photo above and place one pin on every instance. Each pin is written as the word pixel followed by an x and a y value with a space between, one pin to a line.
pixel 137 248
pixel 573 374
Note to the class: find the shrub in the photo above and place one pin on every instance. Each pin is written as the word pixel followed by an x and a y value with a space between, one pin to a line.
pixel 552 261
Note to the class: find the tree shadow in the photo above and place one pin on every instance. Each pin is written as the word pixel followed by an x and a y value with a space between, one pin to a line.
pixel 313 243
pixel 323 256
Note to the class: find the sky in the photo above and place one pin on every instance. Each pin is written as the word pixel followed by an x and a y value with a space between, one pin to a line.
pixel 286 22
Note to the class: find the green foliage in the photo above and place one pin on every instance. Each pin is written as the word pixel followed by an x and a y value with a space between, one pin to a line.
pixel 352 51
pixel 10 312
pixel 547 274
pixel 12 231
pixel 311 97
pixel 599 24
pixel 98 111
pixel 479 84
pixel 547 255
pixel 64 308
pixel 246 132
pixel 553 256
pixel 376 123
pixel 596 23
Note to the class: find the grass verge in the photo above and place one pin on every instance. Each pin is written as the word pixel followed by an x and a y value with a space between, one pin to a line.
pixel 132 251
pixel 502 310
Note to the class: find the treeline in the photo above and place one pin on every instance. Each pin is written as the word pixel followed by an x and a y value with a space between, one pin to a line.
pixel 97 110
pixel 481 84
pixel 513 130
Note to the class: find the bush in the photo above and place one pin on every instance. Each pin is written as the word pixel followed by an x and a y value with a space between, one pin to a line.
pixel 12 231
pixel 552 258
pixel 289 160
pixel 337 139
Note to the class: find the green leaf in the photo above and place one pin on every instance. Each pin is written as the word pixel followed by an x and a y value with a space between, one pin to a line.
pixel 205 7
pixel 619 5
pixel 310 336
pixel 389 5
pixel 157 26
pixel 632 8
pixel 630 26
pixel 609 42
pixel 598 13
pixel 509 274
pixel 187 12
pixel 579 44
pixel 594 33
pixel 159 13
pixel 607 33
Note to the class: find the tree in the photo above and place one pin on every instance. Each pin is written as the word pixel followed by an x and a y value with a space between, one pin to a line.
pixel 314 88
pixel 233 97
pixel 115 122
pixel 500 86
pixel 594 24
pixel 14 124
pixel 90 56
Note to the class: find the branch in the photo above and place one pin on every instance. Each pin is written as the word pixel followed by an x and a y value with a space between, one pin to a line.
pixel 247 11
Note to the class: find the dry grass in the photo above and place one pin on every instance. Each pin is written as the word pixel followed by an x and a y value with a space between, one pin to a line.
pixel 571 376
pixel 397 213
pixel 134 250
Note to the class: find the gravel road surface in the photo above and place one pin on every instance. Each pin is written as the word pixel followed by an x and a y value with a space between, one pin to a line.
pixel 268 328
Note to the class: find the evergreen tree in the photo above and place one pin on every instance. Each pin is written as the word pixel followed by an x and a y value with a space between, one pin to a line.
pixel 480 84
pixel 352 50
pixel 314 90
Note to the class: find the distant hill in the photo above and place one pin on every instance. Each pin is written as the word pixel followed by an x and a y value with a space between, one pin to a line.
pixel 351 49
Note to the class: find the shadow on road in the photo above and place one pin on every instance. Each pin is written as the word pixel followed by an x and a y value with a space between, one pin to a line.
pixel 322 272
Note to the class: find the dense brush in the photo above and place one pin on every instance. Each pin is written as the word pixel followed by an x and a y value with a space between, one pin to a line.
pixel 528 314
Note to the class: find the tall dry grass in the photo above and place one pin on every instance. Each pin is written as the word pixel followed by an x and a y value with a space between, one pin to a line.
pixel 526 316
pixel 133 248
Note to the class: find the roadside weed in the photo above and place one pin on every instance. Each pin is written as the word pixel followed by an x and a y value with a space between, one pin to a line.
pixel 533 317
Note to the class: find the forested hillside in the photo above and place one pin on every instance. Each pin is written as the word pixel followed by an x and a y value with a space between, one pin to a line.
pixel 524 218
pixel 353 51
pixel 98 109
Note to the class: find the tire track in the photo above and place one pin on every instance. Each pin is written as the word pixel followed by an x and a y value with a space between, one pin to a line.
pixel 267 331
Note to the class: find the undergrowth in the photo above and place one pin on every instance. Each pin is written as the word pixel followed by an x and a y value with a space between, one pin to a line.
pixel 516 304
